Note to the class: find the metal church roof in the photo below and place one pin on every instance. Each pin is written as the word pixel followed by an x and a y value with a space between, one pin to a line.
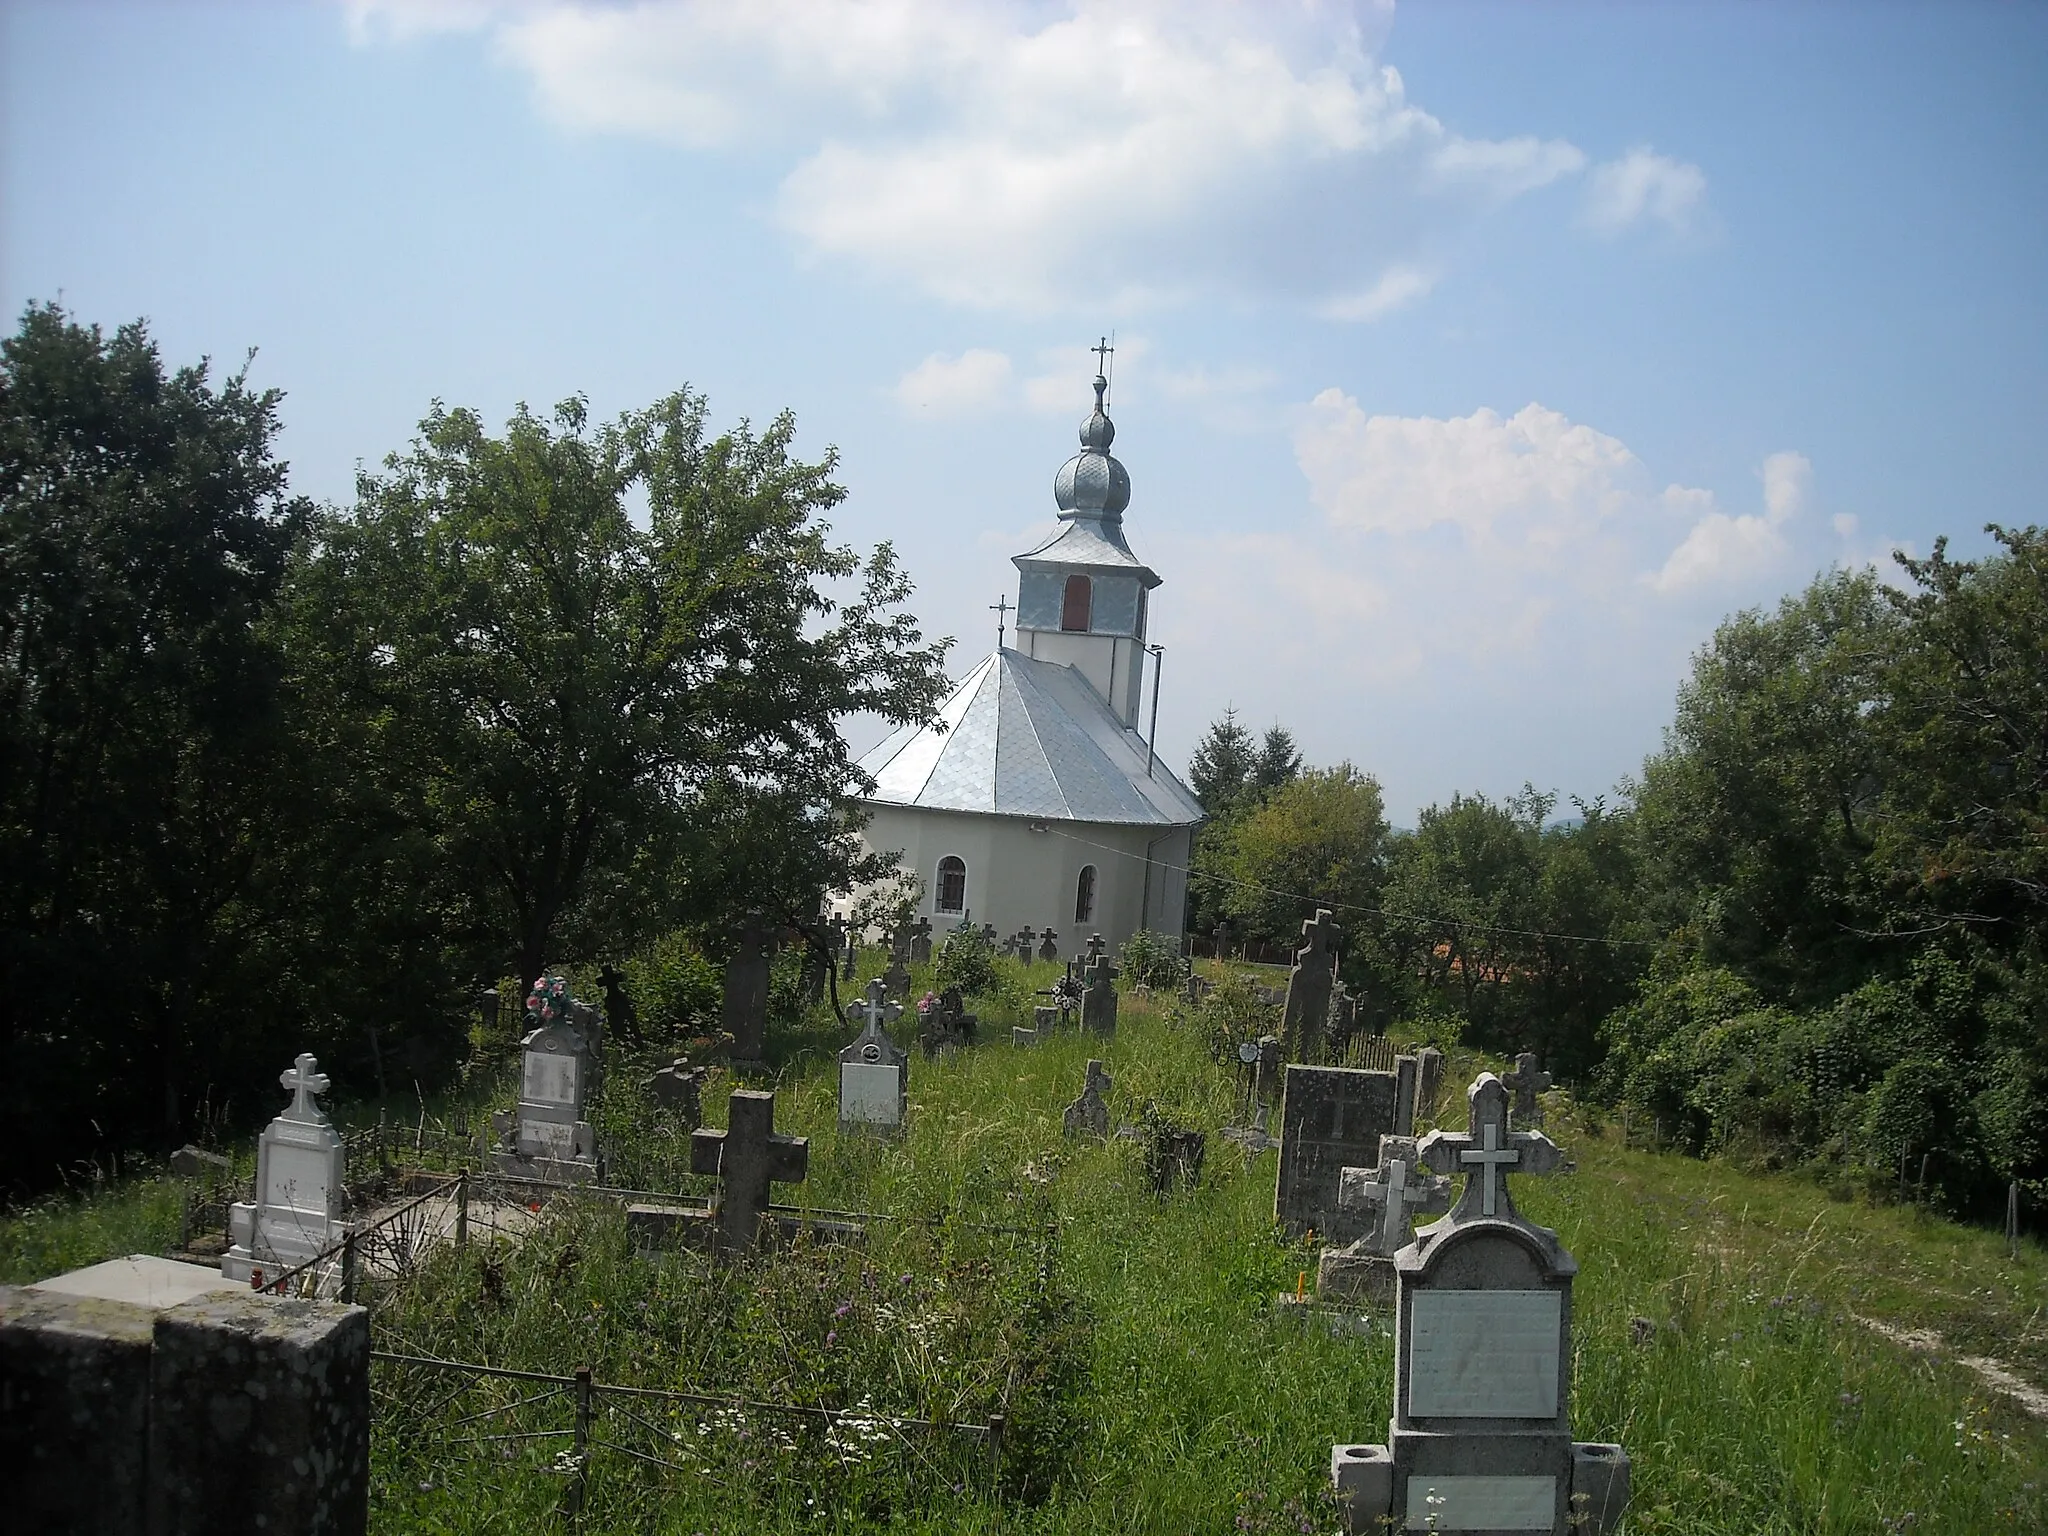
pixel 1020 737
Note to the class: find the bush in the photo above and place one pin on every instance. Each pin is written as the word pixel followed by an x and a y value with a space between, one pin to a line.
pixel 966 960
pixel 676 990
pixel 1151 959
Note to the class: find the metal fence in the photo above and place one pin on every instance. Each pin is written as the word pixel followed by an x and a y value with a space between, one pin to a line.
pixel 467 1412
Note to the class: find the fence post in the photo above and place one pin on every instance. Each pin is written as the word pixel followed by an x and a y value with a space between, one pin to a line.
pixel 2012 1218
pixel 184 1215
pixel 995 1446
pixel 580 1477
pixel 348 1268
pixel 462 1208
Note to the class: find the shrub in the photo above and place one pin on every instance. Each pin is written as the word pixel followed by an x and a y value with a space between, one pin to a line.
pixel 966 960
pixel 1151 959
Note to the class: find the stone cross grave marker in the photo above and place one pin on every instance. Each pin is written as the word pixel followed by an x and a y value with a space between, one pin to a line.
pixel 745 1014
pixel 1396 1191
pixel 1525 1082
pixel 853 936
pixel 896 978
pixel 1098 1002
pixel 989 935
pixel 1088 1116
pixel 1429 1076
pixel 747 1157
pixel 1481 1434
pixel 874 1074
pixel 1308 988
pixel 545 1136
pixel 1048 945
pixel 921 942
pixel 296 1214
pixel 1093 950
pixel 1331 1118
pixel 947 1025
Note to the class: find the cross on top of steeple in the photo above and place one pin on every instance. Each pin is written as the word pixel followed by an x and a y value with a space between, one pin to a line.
pixel 1487 1152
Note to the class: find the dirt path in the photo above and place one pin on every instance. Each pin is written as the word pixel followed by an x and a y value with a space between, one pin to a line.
pixel 1995 1374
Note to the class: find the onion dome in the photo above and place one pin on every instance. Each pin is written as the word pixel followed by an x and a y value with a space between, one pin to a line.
pixel 1092 483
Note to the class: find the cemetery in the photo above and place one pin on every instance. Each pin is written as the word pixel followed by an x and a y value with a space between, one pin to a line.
pixel 872 1290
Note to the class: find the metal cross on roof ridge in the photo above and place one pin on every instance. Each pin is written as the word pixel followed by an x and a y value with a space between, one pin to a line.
pixel 1002 610
pixel 304 1079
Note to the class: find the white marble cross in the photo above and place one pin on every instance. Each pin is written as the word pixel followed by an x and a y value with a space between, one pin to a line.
pixel 877 1010
pixel 1487 1151
pixel 304 1078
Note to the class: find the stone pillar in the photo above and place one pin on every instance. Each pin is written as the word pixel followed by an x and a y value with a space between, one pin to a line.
pixel 74 1415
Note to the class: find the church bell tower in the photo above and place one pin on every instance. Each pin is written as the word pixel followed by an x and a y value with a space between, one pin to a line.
pixel 1082 595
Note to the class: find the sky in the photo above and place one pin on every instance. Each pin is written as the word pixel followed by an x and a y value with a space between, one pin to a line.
pixel 1473 361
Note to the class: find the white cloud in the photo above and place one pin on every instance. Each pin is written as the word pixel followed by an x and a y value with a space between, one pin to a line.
pixel 1534 477
pixel 1721 547
pixel 1643 185
pixel 940 386
pixel 1397 286
pixel 1029 154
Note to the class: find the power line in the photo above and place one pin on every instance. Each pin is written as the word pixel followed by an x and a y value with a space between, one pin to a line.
pixel 1346 906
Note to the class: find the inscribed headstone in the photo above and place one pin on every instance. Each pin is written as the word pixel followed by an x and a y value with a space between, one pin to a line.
pixel 1331 1118
pixel 745 1015
pixel 874 1074
pixel 296 1215
pixel 1481 1434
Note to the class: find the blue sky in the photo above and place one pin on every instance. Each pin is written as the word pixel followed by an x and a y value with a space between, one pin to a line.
pixel 1474 360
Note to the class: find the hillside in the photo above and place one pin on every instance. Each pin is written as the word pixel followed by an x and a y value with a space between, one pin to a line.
pixel 1132 1341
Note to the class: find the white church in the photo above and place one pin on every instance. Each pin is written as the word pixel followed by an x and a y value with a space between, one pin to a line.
pixel 1034 799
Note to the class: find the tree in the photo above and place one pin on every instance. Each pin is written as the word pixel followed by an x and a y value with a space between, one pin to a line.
pixel 1318 840
pixel 1222 765
pixel 1277 763
pixel 144 528
pixel 607 729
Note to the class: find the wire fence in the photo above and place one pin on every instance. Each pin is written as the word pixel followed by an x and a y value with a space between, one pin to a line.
pixel 464 1414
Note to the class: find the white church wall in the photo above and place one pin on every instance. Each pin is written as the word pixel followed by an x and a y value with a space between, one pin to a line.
pixel 1114 667
pixel 1016 875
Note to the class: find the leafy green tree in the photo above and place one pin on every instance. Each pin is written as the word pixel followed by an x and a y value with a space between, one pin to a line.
pixel 144 526
pixel 1317 840
pixel 609 729
pixel 1277 763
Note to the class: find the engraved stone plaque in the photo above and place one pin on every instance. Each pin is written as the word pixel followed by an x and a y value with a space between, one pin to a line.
pixel 869 1093
pixel 550 1138
pixel 296 1177
pixel 548 1079
pixel 1482 1503
pixel 1484 1354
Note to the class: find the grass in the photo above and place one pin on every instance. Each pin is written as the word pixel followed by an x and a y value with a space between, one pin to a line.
pixel 1151 1386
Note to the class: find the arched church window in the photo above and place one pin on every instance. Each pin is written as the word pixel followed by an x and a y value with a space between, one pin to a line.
pixel 1075 604
pixel 952 891
pixel 1084 895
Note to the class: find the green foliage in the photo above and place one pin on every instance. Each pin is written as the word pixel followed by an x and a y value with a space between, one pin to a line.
pixel 144 527
pixel 675 987
pixel 1150 959
pixel 1318 840
pixel 967 960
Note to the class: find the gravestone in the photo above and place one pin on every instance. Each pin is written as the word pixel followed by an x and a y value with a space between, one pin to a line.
pixel 747 1157
pixel 546 1137
pixel 679 1087
pixel 1088 1116
pixel 745 1015
pixel 1221 938
pixel 1525 1082
pixel 874 1074
pixel 818 960
pixel 1306 1019
pixel 1480 1439
pixel 1098 1002
pixel 1272 1070
pixel 296 1215
pixel 896 976
pixel 1343 1012
pixel 620 1016
pixel 988 934
pixel 1254 1138
pixel 1092 950
pixel 947 1025
pixel 1173 1158
pixel 1429 1076
pixel 1404 1095
pixel 1331 1118
pixel 1397 1191
pixel 1043 1022
pixel 1048 945
pixel 921 942
pixel 853 936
